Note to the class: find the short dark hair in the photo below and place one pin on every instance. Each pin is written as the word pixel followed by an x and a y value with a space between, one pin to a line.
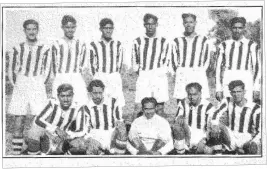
pixel 64 87
pixel 105 21
pixel 194 85
pixel 186 15
pixel 236 83
pixel 149 100
pixel 30 21
pixel 238 20
pixel 95 83
pixel 68 18
pixel 148 16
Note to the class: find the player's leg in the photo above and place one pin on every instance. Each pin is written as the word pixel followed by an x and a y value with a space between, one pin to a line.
pixel 119 139
pixel 17 141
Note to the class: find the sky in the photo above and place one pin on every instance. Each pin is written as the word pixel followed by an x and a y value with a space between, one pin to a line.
pixel 128 22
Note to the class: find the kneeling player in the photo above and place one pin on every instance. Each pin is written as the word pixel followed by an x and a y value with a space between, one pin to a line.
pixel 50 129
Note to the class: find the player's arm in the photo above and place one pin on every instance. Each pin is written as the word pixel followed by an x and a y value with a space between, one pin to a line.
pixel 219 73
pixel 83 55
pixel 175 56
pixel 120 55
pixel 47 65
pixel 256 65
pixel 12 64
pixel 135 56
pixel 257 126
pixel 166 141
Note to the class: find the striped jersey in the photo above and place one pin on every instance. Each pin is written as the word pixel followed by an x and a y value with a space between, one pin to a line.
pixel 68 56
pixel 238 55
pixel 245 119
pixel 28 60
pixel 52 116
pixel 149 53
pixel 106 57
pixel 102 117
pixel 191 52
pixel 196 116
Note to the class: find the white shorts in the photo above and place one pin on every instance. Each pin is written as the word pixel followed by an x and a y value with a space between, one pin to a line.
pixel 78 84
pixel 196 136
pixel 153 83
pixel 102 136
pixel 245 76
pixel 28 92
pixel 238 139
pixel 185 76
pixel 113 85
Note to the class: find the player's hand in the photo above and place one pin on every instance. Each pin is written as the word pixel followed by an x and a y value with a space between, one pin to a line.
pixel 156 153
pixel 256 96
pixel 215 131
pixel 180 121
pixel 62 134
pixel 219 96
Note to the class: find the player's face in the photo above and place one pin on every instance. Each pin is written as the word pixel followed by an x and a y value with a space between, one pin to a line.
pixel 97 95
pixel 189 24
pixel 151 27
pixel 31 32
pixel 237 30
pixel 107 31
pixel 194 96
pixel 238 94
pixel 65 99
pixel 160 109
pixel 69 30
pixel 149 110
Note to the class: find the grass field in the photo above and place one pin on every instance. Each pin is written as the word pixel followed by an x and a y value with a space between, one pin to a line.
pixel 129 81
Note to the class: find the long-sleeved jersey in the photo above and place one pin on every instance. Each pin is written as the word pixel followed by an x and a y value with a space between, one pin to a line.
pixel 238 55
pixel 28 60
pixel 245 119
pixel 68 56
pixel 53 116
pixel 196 117
pixel 106 57
pixel 100 117
pixel 191 53
pixel 149 53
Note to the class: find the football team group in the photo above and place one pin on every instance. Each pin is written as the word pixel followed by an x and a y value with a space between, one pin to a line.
pixel 87 119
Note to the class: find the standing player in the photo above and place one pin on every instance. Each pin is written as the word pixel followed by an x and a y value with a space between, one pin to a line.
pixel 190 58
pixel 149 61
pixel 53 123
pixel 243 119
pixel 238 60
pixel 106 57
pixel 68 57
pixel 28 67
pixel 195 112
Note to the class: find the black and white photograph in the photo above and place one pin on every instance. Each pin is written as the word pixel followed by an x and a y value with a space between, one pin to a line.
pixel 133 84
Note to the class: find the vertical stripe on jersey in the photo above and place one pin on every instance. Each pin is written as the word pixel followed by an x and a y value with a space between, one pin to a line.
pixel 206 54
pixel 28 63
pixel 88 112
pixel 68 61
pixel 96 117
pixel 153 53
pixel 251 118
pixel 60 121
pixel 193 52
pixel 84 54
pixel 190 117
pixel 161 50
pixel 257 64
pixel 104 57
pixel 22 49
pixel 45 61
pixel 185 51
pixel 118 69
pixel 247 59
pixel 105 117
pixel 82 121
pixel 92 62
pixel 54 53
pixel 111 56
pixel 112 112
pixel 177 53
pixel 70 118
pixel 38 122
pixel 231 55
pixel 38 53
pixel 240 56
pixel 15 54
pixel 257 123
pixel 242 119
pixel 233 119
pixel 206 116
pixel 117 113
pixel 61 53
pixel 199 116
pixel 217 111
pixel 201 52
pixel 145 53
pixel 76 56
pixel 53 115
pixel 97 59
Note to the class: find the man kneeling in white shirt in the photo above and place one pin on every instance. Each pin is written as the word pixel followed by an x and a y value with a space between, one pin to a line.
pixel 150 134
